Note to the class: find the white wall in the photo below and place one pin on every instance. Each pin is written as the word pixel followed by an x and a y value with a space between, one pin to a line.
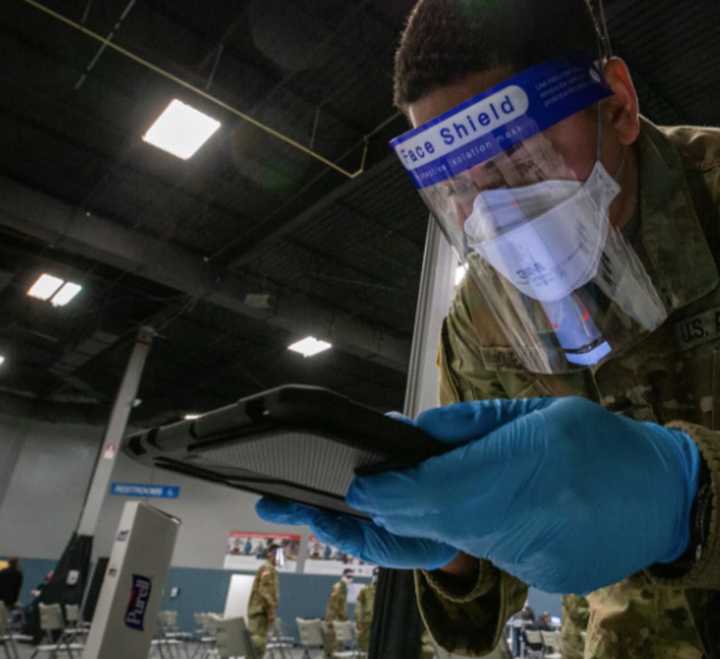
pixel 45 490
pixel 45 493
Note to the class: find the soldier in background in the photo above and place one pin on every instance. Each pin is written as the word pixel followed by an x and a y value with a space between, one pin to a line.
pixel 336 610
pixel 576 613
pixel 264 596
pixel 364 612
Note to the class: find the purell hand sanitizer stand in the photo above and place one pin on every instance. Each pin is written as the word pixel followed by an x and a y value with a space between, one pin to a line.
pixel 130 597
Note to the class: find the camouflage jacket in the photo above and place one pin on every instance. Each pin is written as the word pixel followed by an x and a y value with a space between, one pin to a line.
pixel 337 604
pixel 576 613
pixel 265 592
pixel 364 607
pixel 671 377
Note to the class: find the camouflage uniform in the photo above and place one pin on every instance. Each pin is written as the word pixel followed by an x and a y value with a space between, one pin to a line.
pixel 263 605
pixel 670 377
pixel 576 613
pixel 336 610
pixel 364 615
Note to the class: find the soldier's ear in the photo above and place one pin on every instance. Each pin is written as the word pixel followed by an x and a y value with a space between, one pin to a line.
pixel 622 109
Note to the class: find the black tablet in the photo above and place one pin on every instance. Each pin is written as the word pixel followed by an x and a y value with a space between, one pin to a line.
pixel 295 442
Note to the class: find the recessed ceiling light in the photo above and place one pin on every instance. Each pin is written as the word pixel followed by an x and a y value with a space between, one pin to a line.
pixel 310 346
pixel 181 130
pixel 45 287
pixel 65 294
pixel 192 417
pixel 460 273
pixel 2 359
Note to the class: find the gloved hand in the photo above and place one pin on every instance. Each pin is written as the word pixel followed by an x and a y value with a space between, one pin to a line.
pixel 559 492
pixel 358 538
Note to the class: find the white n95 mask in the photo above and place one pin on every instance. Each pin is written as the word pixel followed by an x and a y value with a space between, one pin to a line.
pixel 547 238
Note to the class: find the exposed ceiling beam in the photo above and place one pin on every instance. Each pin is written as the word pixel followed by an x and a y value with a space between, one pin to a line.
pixel 34 213
pixel 266 233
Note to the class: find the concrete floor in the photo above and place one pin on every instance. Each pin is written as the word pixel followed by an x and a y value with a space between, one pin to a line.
pixel 25 652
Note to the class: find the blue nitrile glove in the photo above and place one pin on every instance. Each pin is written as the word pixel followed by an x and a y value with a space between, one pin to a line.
pixel 358 538
pixel 559 492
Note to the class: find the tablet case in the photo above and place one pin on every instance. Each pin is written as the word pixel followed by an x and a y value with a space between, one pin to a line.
pixel 296 442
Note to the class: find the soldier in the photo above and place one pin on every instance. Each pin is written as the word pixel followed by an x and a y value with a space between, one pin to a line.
pixel 578 363
pixel 576 614
pixel 364 612
pixel 263 604
pixel 336 610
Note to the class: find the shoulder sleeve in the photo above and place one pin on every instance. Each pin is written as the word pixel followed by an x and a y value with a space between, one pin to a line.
pixel 704 572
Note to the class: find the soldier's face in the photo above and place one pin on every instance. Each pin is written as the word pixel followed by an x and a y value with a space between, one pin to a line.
pixel 568 150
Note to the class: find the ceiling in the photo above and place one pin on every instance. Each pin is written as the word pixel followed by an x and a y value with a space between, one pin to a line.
pixel 251 244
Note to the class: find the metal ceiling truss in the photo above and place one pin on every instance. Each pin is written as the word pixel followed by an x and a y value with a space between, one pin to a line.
pixel 37 214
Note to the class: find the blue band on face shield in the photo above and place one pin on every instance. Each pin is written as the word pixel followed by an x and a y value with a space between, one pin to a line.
pixel 505 115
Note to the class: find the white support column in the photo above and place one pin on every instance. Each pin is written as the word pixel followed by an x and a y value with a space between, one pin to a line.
pixel 437 286
pixel 115 430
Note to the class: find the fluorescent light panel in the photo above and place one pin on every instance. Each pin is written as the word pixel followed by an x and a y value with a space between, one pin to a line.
pixel 65 294
pixel 45 287
pixel 181 130
pixel 310 346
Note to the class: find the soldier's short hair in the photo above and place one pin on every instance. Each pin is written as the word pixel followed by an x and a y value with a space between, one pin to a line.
pixel 446 40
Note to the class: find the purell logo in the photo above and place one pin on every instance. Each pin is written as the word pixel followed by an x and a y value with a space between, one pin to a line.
pixel 139 598
pixel 464 126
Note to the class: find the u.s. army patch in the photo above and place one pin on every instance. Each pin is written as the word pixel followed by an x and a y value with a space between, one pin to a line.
pixel 694 331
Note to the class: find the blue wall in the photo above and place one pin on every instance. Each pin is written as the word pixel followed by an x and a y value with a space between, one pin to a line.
pixel 301 596
pixel 541 602
pixel 34 571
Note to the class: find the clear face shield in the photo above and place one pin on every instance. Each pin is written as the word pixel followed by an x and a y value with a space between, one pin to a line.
pixel 512 193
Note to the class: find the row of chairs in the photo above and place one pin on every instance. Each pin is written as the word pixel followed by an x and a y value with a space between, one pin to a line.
pixel 214 633
pixel 62 631
pixel 223 638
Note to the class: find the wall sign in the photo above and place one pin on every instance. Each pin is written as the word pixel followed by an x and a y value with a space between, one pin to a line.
pixel 145 491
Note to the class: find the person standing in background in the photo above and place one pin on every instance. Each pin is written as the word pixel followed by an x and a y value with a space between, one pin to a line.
pixel 11 580
pixel 264 597
pixel 364 612
pixel 336 610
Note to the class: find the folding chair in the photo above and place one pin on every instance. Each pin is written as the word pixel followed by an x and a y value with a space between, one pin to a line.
pixel 233 640
pixel 534 646
pixel 345 635
pixel 551 641
pixel 52 624
pixel 208 635
pixel 278 645
pixel 311 636
pixel 6 639
pixel 74 628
